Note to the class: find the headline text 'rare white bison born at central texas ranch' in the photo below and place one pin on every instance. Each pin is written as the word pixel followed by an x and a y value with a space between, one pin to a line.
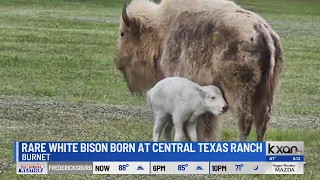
pixel 211 42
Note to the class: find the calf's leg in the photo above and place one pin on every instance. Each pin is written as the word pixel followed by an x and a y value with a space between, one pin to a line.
pixel 178 127
pixel 192 131
pixel 168 129
pixel 160 121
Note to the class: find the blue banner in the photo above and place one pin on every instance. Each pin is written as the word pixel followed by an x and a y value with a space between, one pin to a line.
pixel 139 151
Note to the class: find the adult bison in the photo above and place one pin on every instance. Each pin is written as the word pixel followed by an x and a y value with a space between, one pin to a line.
pixel 210 42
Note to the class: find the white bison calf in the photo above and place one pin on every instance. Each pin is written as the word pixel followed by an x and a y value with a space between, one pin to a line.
pixel 183 101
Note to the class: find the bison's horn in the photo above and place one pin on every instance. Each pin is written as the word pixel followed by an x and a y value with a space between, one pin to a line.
pixel 125 16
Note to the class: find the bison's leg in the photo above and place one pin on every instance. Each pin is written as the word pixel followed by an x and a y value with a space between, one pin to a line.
pixel 261 109
pixel 209 127
pixel 244 126
pixel 160 121
pixel 245 117
pixel 262 126
pixel 262 117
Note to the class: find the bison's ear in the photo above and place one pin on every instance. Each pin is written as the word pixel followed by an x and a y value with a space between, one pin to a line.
pixel 131 23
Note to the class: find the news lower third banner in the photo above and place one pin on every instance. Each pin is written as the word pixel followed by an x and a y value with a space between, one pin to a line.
pixel 271 157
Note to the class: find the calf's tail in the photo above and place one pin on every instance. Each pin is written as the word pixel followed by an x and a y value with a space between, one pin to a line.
pixel 148 99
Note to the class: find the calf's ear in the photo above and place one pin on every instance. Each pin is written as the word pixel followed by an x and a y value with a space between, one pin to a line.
pixel 131 23
pixel 201 91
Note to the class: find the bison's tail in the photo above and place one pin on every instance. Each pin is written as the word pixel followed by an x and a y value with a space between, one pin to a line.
pixel 271 47
pixel 272 67
pixel 272 62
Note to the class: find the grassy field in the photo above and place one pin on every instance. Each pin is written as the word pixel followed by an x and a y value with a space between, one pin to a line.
pixel 58 81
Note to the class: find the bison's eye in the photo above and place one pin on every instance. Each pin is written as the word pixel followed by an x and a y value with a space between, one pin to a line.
pixel 122 34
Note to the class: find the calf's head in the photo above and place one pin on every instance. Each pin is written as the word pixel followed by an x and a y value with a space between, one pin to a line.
pixel 138 46
pixel 213 100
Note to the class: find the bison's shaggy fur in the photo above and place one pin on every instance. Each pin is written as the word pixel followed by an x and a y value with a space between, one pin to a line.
pixel 207 41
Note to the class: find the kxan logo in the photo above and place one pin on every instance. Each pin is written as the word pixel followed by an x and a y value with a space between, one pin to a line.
pixel 283 150
pixel 31 168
